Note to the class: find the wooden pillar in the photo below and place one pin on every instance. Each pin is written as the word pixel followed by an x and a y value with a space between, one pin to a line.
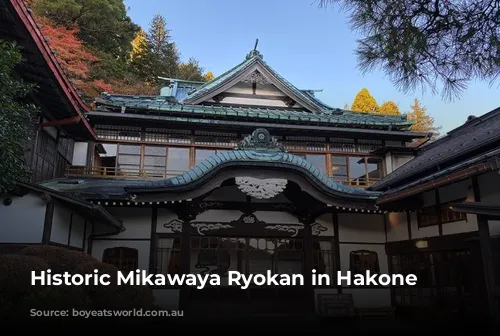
pixel 486 253
pixel 154 241
pixel 438 211
pixel 308 260
pixel 336 247
pixel 186 216
pixel 408 223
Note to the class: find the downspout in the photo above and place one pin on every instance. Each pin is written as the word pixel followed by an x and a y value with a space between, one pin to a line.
pixel 99 235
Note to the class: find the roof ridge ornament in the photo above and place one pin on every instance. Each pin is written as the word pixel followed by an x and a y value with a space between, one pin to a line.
pixel 261 139
pixel 255 52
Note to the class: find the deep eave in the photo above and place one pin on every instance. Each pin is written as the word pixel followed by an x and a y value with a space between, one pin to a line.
pixel 56 95
pixel 158 105
pixel 490 210
pixel 103 118
pixel 477 136
pixel 96 212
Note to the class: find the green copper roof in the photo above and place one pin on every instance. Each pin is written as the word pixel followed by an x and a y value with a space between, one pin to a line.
pixel 257 150
pixel 166 106
pixel 252 58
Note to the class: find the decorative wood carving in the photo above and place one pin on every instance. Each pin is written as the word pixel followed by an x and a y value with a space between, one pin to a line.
pixel 261 188
pixel 293 229
pixel 289 102
pixel 255 77
pixel 317 228
pixel 247 225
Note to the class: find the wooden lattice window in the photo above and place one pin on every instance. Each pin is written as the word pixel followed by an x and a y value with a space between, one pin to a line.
pixel 364 260
pixel 124 258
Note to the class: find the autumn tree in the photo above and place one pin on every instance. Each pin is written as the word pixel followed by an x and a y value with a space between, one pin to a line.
pixel 427 42
pixel 209 76
pixel 364 102
pixel 140 55
pixel 422 122
pixel 15 118
pixel 389 107
pixel 73 57
pixel 104 24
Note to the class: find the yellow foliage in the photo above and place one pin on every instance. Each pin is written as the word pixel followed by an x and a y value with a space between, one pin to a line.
pixel 209 76
pixel 389 107
pixel 422 122
pixel 139 44
pixel 364 102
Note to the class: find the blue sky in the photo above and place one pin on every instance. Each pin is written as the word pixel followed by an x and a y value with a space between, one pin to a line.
pixel 310 46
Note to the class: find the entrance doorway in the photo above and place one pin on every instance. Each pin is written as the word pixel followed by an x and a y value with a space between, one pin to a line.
pixel 218 255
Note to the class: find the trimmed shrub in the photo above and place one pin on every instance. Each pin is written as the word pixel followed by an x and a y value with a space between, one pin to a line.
pixel 18 296
pixel 60 259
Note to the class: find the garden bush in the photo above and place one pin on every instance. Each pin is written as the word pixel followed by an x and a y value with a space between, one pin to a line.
pixel 18 296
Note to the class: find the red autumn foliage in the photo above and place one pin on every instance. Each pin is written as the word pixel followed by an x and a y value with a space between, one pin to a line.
pixel 73 56
pixel 76 60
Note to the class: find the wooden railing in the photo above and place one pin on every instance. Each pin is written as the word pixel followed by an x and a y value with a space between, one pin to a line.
pixel 118 173
pixel 112 172
pixel 358 182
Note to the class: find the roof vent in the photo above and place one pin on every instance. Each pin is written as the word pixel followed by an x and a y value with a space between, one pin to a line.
pixel 470 118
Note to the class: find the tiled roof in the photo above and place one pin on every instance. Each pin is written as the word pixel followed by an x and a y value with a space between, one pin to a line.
pixel 256 158
pixel 475 136
pixel 327 117
pixel 252 58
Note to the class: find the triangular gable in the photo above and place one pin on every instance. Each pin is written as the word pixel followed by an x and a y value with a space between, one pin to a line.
pixel 251 82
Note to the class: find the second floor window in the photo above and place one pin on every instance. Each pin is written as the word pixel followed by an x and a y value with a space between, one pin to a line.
pixel 434 215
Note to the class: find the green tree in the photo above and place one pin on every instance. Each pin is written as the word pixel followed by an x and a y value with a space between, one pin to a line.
pixel 389 107
pixel 422 121
pixel 15 118
pixel 104 24
pixel 364 102
pixel 163 54
pixel 191 70
pixel 427 42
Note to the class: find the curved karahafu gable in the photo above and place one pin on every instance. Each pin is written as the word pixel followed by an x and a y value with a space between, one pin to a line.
pixel 259 156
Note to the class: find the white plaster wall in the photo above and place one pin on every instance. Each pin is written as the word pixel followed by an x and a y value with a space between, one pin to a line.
pixel 80 154
pixel 77 231
pixel 366 228
pixel 164 217
pixel 142 246
pixel 246 88
pixel 60 224
pixel 167 298
pixel 23 220
pixel 326 221
pixel 137 221
pixel 398 160
pixel 397 227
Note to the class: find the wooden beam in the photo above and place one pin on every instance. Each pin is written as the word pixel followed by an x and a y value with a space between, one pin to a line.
pixel 252 96
pixel 487 253
pixel 61 122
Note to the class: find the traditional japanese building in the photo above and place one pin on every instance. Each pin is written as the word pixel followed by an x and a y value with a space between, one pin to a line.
pixel 249 173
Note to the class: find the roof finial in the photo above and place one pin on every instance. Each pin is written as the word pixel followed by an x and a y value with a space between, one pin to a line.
pixel 254 52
